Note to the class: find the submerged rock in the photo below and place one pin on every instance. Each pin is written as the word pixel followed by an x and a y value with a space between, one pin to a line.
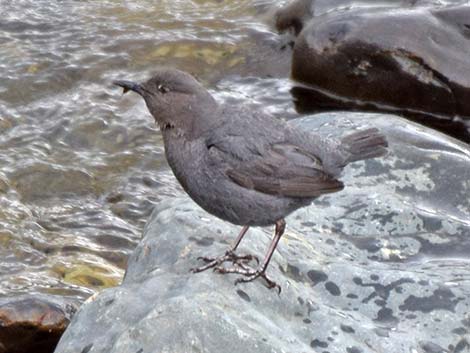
pixel 32 324
pixel 38 181
pixel 380 267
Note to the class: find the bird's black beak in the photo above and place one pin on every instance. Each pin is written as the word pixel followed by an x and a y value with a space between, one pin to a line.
pixel 129 86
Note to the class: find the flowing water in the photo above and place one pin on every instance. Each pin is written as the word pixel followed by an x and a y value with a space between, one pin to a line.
pixel 81 166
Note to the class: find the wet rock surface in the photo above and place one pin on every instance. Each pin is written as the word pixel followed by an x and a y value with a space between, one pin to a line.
pixel 409 57
pixel 33 324
pixel 359 273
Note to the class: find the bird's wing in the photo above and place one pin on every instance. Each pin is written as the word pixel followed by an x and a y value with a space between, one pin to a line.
pixel 279 168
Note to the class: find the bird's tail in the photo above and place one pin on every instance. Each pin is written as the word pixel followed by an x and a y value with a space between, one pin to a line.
pixel 364 144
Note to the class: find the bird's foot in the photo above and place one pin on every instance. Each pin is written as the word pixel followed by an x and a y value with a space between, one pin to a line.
pixel 249 275
pixel 238 260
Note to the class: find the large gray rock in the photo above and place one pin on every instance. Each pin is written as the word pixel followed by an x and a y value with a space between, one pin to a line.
pixel 379 267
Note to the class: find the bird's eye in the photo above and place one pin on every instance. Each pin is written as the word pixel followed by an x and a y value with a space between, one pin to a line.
pixel 163 89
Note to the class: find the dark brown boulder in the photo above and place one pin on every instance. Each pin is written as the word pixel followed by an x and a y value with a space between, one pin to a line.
pixel 30 324
pixel 415 61
pixel 411 60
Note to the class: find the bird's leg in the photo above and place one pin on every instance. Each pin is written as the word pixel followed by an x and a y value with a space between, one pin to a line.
pixel 251 274
pixel 228 256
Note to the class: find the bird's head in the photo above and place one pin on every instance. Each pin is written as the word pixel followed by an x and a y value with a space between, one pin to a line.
pixel 175 99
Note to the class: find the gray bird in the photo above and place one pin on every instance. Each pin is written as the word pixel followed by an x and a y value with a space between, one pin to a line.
pixel 245 166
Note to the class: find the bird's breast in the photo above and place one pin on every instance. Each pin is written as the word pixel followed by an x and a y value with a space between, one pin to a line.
pixel 187 160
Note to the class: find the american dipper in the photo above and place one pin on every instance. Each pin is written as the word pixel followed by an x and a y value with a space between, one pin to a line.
pixel 245 166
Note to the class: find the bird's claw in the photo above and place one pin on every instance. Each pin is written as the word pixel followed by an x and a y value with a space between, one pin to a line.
pixel 245 259
pixel 249 275
pixel 270 283
pixel 238 260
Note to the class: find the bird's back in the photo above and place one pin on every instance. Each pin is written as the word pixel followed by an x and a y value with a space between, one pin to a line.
pixel 252 169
